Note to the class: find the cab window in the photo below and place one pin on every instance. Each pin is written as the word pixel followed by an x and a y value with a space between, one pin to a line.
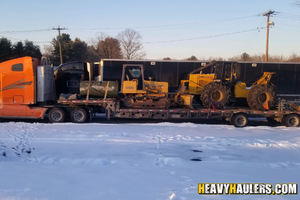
pixel 17 67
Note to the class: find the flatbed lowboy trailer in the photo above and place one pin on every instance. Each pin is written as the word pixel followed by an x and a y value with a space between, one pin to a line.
pixel 237 116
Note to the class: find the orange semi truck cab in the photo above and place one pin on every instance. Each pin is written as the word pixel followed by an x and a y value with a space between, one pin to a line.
pixel 25 85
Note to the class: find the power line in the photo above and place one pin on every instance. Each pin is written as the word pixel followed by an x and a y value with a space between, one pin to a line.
pixel 169 25
pixel 288 16
pixel 139 27
pixel 10 38
pixel 211 36
pixel 288 24
pixel 23 40
pixel 249 42
pixel 25 31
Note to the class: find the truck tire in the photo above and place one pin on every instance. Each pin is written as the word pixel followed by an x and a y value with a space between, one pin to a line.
pixel 239 120
pixel 291 120
pixel 56 115
pixel 258 95
pixel 216 94
pixel 79 115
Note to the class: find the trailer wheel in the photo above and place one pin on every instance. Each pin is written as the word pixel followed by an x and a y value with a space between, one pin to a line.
pixel 56 115
pixel 258 94
pixel 79 115
pixel 239 120
pixel 291 120
pixel 216 94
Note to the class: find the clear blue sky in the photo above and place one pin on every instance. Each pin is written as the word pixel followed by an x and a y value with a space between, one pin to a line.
pixel 170 28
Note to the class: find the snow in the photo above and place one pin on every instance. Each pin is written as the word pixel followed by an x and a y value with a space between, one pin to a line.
pixel 142 161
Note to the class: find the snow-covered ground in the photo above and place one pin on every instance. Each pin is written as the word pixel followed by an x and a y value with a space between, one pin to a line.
pixel 142 161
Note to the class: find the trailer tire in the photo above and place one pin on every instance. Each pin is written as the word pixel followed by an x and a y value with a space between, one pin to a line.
pixel 79 115
pixel 291 120
pixel 258 94
pixel 239 120
pixel 216 94
pixel 56 115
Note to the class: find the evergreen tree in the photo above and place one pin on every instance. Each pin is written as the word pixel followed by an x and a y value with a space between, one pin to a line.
pixel 5 49
pixel 18 49
pixel 32 50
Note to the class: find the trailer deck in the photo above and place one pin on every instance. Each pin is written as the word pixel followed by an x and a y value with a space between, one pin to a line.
pixel 238 116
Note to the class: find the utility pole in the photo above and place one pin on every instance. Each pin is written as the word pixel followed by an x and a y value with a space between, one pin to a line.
pixel 267 43
pixel 59 44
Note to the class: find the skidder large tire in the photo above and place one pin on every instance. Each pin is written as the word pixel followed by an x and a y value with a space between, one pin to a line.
pixel 216 94
pixel 258 94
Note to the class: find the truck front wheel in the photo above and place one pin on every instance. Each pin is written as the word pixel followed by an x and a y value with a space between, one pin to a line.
pixel 57 115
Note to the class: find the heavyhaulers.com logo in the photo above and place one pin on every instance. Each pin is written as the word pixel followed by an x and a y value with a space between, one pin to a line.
pixel 248 188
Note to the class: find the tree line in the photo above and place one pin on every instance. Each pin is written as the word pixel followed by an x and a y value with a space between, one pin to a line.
pixel 247 57
pixel 10 51
pixel 126 45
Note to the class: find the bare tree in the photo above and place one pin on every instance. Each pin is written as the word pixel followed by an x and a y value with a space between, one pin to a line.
pixel 293 58
pixel 104 46
pixel 131 45
pixel 261 58
pixel 109 48
pixel 47 50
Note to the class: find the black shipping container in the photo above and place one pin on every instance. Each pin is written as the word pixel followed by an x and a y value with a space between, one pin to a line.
pixel 167 71
pixel 286 79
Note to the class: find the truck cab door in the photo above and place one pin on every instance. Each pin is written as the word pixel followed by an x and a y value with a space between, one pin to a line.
pixel 13 108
